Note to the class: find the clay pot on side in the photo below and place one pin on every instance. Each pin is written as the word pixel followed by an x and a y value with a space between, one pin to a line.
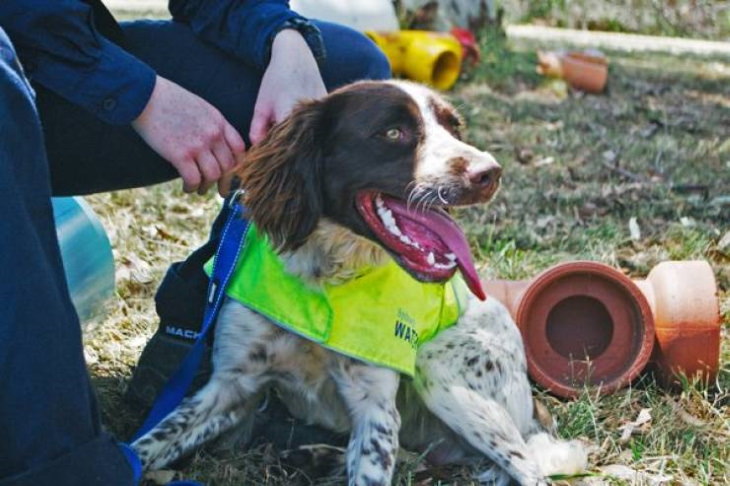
pixel 583 70
pixel 585 323
pixel 683 298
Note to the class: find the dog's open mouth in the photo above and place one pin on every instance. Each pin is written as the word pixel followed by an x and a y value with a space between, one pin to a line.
pixel 426 242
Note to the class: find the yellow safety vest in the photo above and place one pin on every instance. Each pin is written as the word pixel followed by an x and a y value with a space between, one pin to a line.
pixel 381 316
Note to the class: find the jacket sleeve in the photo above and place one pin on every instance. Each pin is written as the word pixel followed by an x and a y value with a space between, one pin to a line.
pixel 245 28
pixel 61 50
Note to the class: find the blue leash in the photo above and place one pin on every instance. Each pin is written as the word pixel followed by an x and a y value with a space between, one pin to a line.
pixel 224 262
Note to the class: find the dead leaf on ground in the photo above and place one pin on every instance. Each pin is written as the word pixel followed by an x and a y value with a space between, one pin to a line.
pixel 135 269
pixel 641 423
pixel 544 161
pixel 524 155
pixel 684 415
pixel 634 229
pixel 165 234
pixel 629 475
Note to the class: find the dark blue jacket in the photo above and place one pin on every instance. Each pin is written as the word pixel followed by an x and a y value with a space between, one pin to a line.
pixel 65 46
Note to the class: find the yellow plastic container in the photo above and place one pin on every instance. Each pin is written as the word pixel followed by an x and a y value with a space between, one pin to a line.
pixel 432 58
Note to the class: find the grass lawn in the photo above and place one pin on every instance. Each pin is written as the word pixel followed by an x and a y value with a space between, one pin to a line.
pixel 654 150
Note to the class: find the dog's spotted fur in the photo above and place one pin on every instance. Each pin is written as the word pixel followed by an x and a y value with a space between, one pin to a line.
pixel 470 397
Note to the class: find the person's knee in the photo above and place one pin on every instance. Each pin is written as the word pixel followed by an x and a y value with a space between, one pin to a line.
pixel 368 56
pixel 351 56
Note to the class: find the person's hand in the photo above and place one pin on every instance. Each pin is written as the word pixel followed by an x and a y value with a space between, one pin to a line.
pixel 291 76
pixel 192 135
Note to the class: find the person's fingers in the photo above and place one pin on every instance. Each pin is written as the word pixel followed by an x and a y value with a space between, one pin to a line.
pixel 234 140
pixel 209 169
pixel 190 133
pixel 189 173
pixel 223 155
pixel 224 184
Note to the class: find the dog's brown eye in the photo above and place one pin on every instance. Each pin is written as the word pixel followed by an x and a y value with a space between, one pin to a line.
pixel 394 134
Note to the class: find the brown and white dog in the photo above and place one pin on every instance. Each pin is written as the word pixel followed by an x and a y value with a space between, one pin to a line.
pixel 349 181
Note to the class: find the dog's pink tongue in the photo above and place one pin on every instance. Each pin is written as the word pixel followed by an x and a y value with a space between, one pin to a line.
pixel 452 236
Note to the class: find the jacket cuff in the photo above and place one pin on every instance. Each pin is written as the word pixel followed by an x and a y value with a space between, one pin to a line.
pixel 311 34
pixel 120 86
pixel 116 88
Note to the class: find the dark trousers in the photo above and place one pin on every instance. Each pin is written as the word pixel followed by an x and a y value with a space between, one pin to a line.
pixel 50 432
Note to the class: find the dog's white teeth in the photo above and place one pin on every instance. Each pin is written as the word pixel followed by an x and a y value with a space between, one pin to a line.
pixel 405 239
pixel 441 266
pixel 386 216
pixel 451 257
pixel 444 266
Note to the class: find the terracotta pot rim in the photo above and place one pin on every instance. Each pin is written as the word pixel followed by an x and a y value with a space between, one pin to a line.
pixel 613 276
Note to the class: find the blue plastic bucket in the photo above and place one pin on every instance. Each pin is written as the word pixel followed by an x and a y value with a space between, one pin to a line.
pixel 87 255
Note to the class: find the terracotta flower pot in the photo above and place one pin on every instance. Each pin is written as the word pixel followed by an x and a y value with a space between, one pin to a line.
pixel 583 70
pixel 586 323
pixel 684 302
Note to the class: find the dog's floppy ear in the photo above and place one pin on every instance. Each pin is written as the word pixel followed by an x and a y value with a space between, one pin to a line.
pixel 281 176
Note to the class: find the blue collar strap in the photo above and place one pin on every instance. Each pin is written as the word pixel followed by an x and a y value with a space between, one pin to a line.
pixel 224 262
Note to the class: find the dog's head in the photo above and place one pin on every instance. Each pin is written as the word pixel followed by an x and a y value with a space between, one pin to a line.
pixel 382 159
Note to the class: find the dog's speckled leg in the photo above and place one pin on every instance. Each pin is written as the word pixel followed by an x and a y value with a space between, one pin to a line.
pixel 369 393
pixel 473 377
pixel 215 408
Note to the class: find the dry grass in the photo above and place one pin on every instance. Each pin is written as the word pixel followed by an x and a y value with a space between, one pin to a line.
pixel 656 147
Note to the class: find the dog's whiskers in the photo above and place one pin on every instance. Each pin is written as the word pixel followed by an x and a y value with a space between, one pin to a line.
pixel 425 196
pixel 413 190
pixel 418 197
pixel 441 198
